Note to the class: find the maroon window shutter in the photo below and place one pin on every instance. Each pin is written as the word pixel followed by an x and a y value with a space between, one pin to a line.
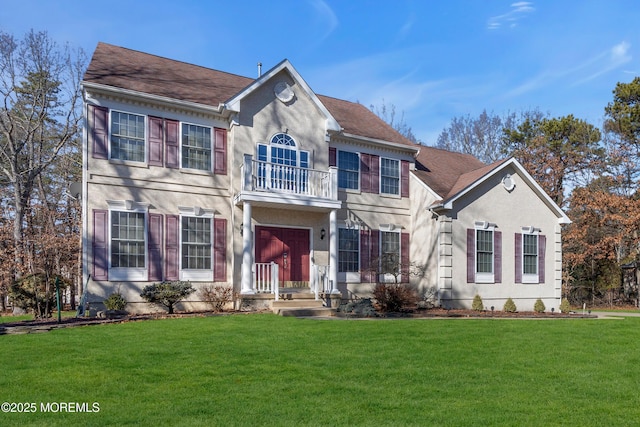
pixel 333 157
pixel 156 133
pixel 497 256
pixel 155 247
pixel 471 255
pixel 375 255
pixel 404 178
pixel 220 148
pixel 374 175
pixel 404 256
pixel 542 247
pixel 98 122
pixel 172 144
pixel 172 248
pixel 365 257
pixel 219 249
pixel 100 246
pixel 365 172
pixel 518 249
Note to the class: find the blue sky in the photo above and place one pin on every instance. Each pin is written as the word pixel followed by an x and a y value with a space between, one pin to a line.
pixel 432 60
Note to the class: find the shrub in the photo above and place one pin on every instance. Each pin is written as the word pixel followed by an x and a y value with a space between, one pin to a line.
pixel 362 307
pixel 167 294
pixel 394 297
pixel 477 304
pixel 565 307
pixel 115 301
pixel 509 306
pixel 36 293
pixel 539 306
pixel 217 296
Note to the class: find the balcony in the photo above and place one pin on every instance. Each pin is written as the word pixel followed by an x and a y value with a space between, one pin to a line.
pixel 287 187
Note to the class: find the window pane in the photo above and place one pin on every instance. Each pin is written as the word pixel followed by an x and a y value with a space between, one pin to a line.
pixel 348 170
pixel 196 147
pixel 389 176
pixel 390 252
pixel 348 250
pixel 196 243
pixel 530 254
pixel 484 251
pixel 127 136
pixel 127 240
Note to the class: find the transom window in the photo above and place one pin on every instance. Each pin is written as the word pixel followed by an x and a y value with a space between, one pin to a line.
pixel 127 240
pixel 283 139
pixel 196 243
pixel 348 250
pixel 389 176
pixel 530 254
pixel 348 170
pixel 484 251
pixel 127 136
pixel 196 147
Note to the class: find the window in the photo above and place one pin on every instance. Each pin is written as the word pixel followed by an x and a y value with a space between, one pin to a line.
pixel 127 137
pixel 196 243
pixel 196 147
pixel 282 166
pixel 484 251
pixel 389 176
pixel 348 170
pixel 530 254
pixel 127 240
pixel 390 252
pixel 348 250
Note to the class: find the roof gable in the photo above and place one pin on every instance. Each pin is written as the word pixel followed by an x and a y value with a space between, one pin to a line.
pixel 138 72
pixel 233 104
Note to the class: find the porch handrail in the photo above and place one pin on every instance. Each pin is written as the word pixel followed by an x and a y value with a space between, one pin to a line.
pixel 321 282
pixel 266 278
pixel 260 175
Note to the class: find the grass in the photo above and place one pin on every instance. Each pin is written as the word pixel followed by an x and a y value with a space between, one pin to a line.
pixel 10 318
pixel 266 370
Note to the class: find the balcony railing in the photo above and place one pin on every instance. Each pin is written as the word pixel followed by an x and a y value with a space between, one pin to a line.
pixel 277 178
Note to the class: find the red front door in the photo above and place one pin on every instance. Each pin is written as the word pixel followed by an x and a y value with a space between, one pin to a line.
pixel 287 247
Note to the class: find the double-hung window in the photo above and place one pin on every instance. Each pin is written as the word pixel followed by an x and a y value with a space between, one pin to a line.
pixel 196 235
pixel 389 176
pixel 196 147
pixel 484 256
pixel 390 254
pixel 348 170
pixel 128 235
pixel 127 137
pixel 348 250
pixel 530 258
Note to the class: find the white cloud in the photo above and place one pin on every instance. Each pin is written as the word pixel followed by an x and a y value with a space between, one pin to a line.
pixel 518 11
pixel 326 15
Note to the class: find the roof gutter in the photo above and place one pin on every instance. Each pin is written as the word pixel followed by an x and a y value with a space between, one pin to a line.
pixel 381 142
pixel 171 102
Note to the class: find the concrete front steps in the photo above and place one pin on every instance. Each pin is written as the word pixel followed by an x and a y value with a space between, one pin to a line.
pixel 300 304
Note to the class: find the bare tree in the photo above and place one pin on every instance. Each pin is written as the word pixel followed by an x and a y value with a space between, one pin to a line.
pixel 389 115
pixel 39 119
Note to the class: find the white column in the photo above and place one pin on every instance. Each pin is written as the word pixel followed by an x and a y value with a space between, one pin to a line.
pixel 247 254
pixel 333 251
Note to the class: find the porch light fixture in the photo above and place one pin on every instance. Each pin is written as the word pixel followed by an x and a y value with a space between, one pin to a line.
pixel 323 232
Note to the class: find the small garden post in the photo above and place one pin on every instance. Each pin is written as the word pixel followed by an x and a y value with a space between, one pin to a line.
pixel 58 298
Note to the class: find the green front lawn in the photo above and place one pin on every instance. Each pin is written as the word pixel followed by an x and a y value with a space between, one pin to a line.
pixel 264 369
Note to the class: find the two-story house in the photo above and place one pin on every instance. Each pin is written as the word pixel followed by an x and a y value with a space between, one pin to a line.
pixel 260 184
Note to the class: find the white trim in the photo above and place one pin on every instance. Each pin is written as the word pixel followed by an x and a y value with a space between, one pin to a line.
pixel 530 278
pixel 387 144
pixel 389 228
pixel 357 153
pixel 394 195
